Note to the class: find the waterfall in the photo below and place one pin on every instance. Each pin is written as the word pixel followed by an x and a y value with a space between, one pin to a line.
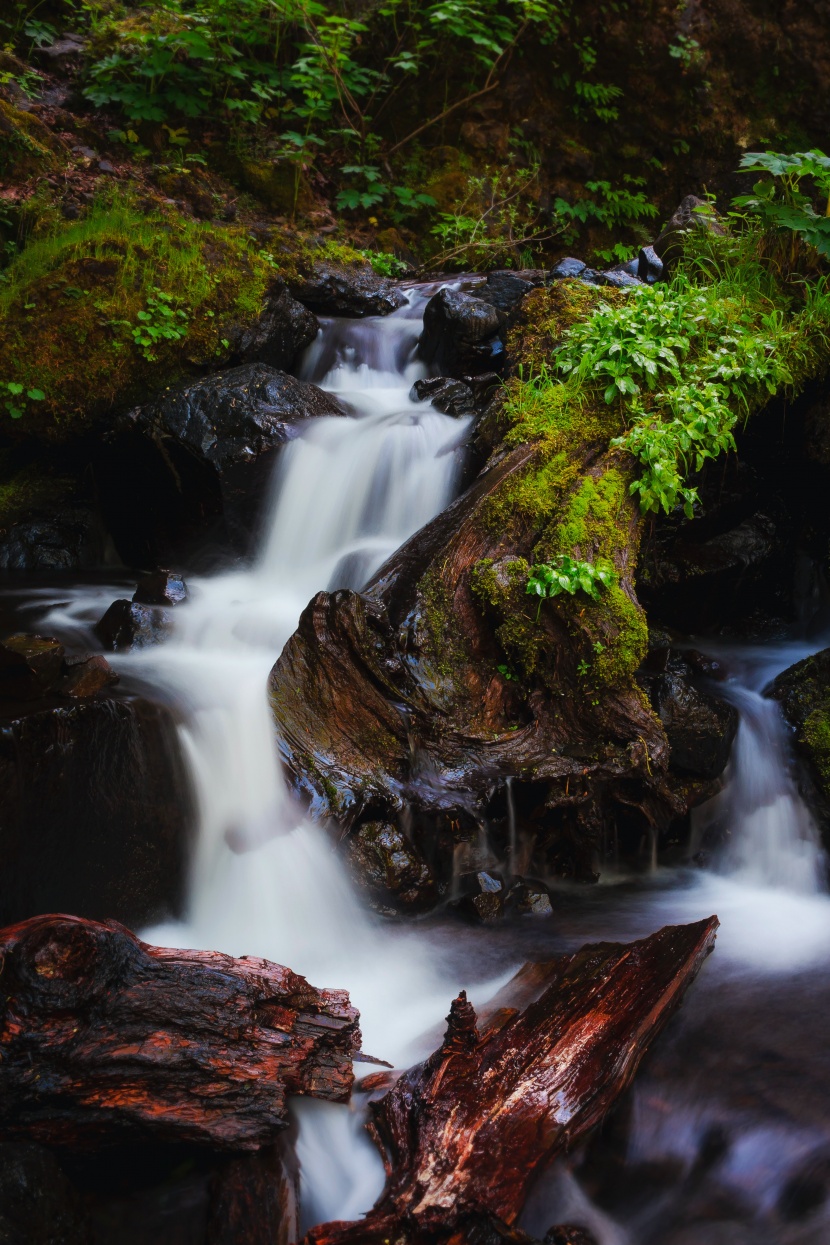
pixel 346 493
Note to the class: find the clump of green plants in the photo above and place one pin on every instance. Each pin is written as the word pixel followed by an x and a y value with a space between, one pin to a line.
pixel 567 574
pixel 618 209
pixel 160 321
pixel 385 263
pixel 14 397
pixel 497 223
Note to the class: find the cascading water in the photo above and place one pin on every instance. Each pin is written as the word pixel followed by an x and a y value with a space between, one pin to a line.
pixel 346 494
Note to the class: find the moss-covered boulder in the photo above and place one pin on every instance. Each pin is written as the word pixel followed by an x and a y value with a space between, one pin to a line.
pixel 27 145
pixel 49 517
pixel 804 694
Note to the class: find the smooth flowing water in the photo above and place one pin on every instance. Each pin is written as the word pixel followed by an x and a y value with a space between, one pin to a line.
pixel 264 881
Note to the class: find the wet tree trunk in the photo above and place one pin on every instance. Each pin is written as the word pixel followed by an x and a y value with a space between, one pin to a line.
pixel 465 1133
pixel 105 1037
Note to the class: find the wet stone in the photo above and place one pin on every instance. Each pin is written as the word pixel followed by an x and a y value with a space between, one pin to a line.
pixel 127 625
pixel 650 267
pixel 619 279
pixel 530 898
pixel 29 665
pixel 86 675
pixel 569 267
pixel 452 397
pixel 161 587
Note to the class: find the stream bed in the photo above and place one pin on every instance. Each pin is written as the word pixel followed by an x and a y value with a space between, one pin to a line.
pixel 725 1137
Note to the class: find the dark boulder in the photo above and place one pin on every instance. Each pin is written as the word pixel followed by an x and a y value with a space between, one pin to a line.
pixel 697 578
pixel 388 869
pixel 127 625
pixel 64 539
pixel 452 397
pixel 529 898
pixel 803 692
pixel 693 214
pixel 161 587
pixel 460 333
pixel 94 810
pixel 192 467
pixel 282 331
pixel 700 728
pixel 331 290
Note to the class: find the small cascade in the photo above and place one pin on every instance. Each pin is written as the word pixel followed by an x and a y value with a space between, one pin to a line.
pixel 770 837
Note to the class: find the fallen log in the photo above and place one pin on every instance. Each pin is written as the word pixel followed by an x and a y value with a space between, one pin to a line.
pixel 465 1133
pixel 103 1036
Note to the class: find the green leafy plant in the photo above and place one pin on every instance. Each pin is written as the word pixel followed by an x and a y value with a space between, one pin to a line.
pixel 15 396
pixel 496 223
pixel 385 264
pixel 782 199
pixel 162 321
pixel 621 208
pixel 567 574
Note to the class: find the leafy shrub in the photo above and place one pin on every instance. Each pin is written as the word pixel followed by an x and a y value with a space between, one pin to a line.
pixel 781 201
pixel 14 396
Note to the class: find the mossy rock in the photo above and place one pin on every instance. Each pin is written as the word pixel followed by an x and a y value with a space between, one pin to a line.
pixel 27 146
pixel 804 694
pixel 75 299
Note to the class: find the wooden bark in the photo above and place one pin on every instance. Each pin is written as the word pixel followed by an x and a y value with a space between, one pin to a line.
pixel 465 1133
pixel 104 1036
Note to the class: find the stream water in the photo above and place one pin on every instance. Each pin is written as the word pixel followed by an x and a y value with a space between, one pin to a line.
pixel 728 1135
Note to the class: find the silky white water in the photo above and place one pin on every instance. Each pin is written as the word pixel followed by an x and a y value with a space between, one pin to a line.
pixel 264 881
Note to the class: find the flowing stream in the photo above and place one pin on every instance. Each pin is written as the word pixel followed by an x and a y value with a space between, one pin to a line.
pixel 346 493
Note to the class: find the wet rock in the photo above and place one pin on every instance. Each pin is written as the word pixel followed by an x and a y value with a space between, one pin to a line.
pixel 692 214
pixel 697 582
pixel 484 901
pixel 94 810
pixel 66 539
pixel 505 290
pixel 63 55
pixel 332 290
pixel 568 267
pixel 650 267
pixel 38 1205
pixel 29 666
pixel 86 675
pixel 619 278
pixel 803 692
pixel 389 870
pixel 452 397
pixel 460 333
pixel 699 727
pixel 193 467
pixel 280 334
pixel 569 1234
pixel 161 587
pixel 127 625
pixel 530 898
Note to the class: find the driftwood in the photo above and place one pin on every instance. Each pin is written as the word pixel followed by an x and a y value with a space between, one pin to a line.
pixel 103 1036
pixel 465 1133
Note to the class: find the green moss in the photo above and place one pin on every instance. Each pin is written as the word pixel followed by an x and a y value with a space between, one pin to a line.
pixel 815 737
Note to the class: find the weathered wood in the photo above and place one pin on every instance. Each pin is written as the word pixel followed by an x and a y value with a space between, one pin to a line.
pixel 102 1035
pixel 465 1133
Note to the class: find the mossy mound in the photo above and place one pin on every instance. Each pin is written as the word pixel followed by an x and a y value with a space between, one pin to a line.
pixel 84 311
pixel 27 146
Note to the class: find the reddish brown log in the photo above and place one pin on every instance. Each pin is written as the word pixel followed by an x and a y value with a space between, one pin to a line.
pixel 466 1132
pixel 102 1035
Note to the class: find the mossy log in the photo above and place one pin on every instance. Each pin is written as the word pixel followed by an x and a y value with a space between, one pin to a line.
pixel 103 1037
pixel 444 677
pixel 465 1133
